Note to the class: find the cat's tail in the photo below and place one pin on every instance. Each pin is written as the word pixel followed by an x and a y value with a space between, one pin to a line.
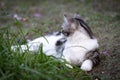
pixel 94 56
pixel 92 59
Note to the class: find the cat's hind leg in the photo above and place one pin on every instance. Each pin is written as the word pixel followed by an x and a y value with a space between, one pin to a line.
pixel 87 65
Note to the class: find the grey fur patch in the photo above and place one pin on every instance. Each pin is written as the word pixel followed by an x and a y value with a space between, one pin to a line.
pixel 57 33
pixel 94 56
pixel 60 44
pixel 86 27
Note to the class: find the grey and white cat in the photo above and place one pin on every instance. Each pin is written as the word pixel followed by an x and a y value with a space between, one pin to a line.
pixel 76 44
pixel 81 45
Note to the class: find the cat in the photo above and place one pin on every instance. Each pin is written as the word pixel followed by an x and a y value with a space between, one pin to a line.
pixel 81 47
pixel 76 44
pixel 53 44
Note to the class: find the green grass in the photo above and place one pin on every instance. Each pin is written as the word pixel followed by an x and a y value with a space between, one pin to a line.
pixel 37 66
pixel 103 16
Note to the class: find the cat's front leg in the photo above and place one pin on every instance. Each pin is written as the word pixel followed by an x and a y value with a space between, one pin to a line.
pixel 63 59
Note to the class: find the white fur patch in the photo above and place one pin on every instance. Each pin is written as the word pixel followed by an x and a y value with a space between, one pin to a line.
pixel 87 65
pixel 49 47
pixel 77 47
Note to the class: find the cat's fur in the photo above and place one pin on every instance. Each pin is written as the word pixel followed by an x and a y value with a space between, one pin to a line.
pixel 80 48
pixel 53 44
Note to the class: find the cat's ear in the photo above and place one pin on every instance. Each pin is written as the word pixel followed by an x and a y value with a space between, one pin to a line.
pixel 65 18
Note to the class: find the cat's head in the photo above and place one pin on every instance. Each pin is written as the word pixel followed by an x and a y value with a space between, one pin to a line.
pixel 75 23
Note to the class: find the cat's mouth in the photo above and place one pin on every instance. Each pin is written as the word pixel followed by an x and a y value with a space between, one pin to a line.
pixel 66 33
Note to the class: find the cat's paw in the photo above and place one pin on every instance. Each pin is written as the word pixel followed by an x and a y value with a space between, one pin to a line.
pixel 87 65
pixel 69 66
